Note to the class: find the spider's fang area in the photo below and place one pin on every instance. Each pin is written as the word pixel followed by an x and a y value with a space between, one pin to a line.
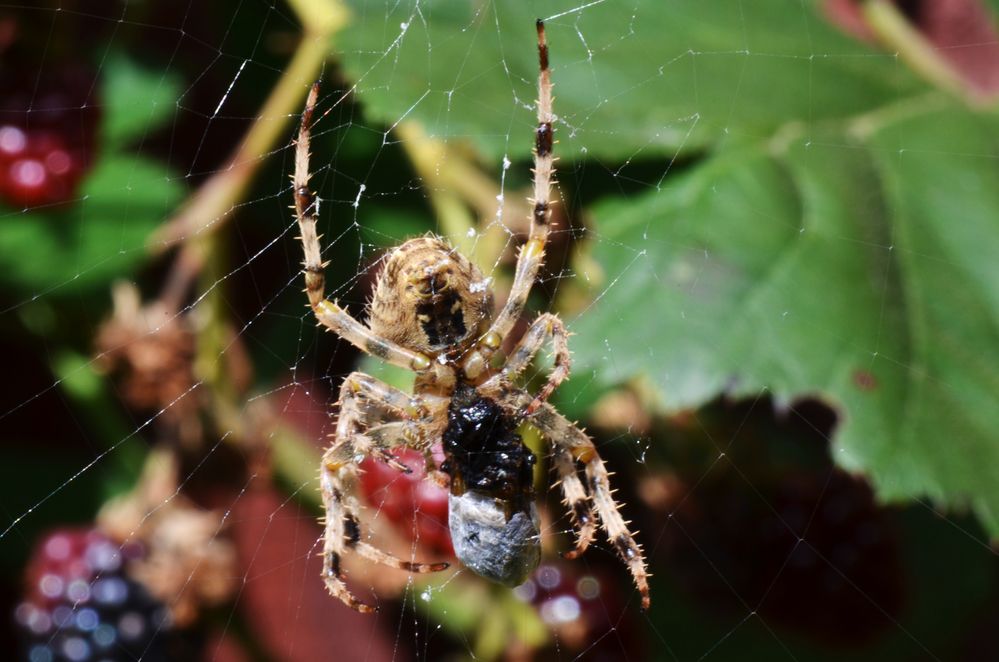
pixel 442 318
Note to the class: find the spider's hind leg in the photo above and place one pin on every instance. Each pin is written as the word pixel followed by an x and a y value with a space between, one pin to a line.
pixel 567 438
pixel 336 539
pixel 576 500
pixel 363 400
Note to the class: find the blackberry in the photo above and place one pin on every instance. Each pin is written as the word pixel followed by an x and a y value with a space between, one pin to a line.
pixel 37 167
pixel 416 506
pixel 810 550
pixel 48 118
pixel 80 604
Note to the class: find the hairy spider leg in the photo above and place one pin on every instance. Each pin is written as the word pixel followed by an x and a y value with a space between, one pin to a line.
pixel 331 315
pixel 576 500
pixel 532 253
pixel 362 398
pixel 565 435
pixel 561 432
pixel 547 325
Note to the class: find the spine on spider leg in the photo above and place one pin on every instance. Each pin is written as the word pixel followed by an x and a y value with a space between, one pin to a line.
pixel 305 206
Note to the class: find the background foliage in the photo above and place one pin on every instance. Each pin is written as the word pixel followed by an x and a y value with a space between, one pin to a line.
pixel 778 256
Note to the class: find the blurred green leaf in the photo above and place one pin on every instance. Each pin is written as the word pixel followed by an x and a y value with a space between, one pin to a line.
pixel 855 265
pixel 683 77
pixel 842 242
pixel 494 617
pixel 389 226
pixel 102 236
pixel 87 390
pixel 136 100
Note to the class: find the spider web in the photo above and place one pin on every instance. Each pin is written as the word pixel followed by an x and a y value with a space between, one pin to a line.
pixel 723 444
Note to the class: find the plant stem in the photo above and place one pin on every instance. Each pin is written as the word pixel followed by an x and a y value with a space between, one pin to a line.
pixel 295 462
pixel 897 33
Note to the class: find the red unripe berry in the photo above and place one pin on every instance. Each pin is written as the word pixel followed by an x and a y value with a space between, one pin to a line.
pixel 416 506
pixel 36 168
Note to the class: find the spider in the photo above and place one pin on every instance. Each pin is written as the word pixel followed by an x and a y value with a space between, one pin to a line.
pixel 432 313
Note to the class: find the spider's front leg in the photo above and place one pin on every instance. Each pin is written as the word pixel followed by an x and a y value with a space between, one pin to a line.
pixel 327 312
pixel 532 253
pixel 363 401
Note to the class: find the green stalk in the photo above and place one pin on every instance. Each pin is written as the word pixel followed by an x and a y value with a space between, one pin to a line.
pixel 898 34
pixel 212 205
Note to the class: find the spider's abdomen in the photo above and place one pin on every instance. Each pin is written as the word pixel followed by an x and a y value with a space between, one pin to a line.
pixel 504 549
pixel 492 515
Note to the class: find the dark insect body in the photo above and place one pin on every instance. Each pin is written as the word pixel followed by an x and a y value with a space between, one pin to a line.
pixel 492 515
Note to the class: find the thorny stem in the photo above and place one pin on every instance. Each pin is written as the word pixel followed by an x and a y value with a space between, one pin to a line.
pixel 897 33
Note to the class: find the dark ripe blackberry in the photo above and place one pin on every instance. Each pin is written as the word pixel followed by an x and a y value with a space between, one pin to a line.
pixel 80 604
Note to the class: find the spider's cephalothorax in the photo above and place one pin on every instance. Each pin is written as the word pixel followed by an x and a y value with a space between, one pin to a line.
pixel 431 313
pixel 491 511
pixel 431 299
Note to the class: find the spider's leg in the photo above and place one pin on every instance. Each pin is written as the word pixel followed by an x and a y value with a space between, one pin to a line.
pixel 379 441
pixel 546 326
pixel 332 316
pixel 532 253
pixel 576 499
pixel 335 540
pixel 363 400
pixel 372 553
pixel 563 434
pixel 618 534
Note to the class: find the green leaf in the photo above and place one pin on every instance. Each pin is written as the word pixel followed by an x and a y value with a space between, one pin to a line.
pixel 136 100
pixel 642 82
pixel 100 237
pixel 856 265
